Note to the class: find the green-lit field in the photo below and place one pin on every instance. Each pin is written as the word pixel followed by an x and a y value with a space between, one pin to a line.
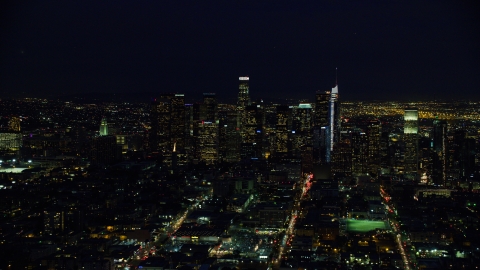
pixel 363 226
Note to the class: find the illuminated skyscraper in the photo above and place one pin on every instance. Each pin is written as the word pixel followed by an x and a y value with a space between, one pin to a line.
pixel 333 122
pixel 243 92
pixel 243 102
pixel 206 146
pixel 177 126
pixel 104 127
pixel 168 123
pixel 281 130
pixel 410 137
pixel 302 125
pixel 229 137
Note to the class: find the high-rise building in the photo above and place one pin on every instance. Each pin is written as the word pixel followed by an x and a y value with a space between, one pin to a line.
pixel 439 144
pixel 206 145
pixel 410 137
pixel 104 127
pixel 242 102
pixel 209 108
pixel 359 144
pixel 333 121
pixel 396 154
pixel 302 126
pixel 177 125
pixel 168 123
pixel 306 154
pixel 253 128
pixel 229 137
pixel 281 131
pixel 322 102
pixel 160 122
pixel 374 131
pixel 385 157
pixel 342 158
pixel 189 126
pixel 461 155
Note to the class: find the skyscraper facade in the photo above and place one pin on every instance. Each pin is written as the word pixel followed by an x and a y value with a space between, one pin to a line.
pixel 160 131
pixel 209 107
pixel 168 123
pixel 322 103
pixel 359 146
pixel 410 137
pixel 342 158
pixel 439 144
pixel 374 132
pixel 229 137
pixel 333 121
pixel 302 126
pixel 242 102
pixel 206 146
pixel 281 131
pixel 177 126
pixel 253 128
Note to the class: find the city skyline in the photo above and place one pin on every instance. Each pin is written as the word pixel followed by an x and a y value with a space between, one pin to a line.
pixel 383 50
pixel 170 185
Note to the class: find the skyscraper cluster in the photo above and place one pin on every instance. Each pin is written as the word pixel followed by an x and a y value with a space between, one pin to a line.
pixel 211 133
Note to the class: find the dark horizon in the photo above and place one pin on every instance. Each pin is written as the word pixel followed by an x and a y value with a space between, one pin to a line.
pixel 405 50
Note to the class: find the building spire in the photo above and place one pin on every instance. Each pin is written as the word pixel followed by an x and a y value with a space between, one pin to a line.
pixel 335 88
pixel 336 76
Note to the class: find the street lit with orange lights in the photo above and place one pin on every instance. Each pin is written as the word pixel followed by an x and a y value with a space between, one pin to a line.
pixel 287 239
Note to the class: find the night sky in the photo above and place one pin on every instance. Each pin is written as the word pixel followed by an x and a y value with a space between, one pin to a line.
pixel 386 50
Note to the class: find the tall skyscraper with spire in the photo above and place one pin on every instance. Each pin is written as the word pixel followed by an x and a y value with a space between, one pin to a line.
pixel 333 121
pixel 326 127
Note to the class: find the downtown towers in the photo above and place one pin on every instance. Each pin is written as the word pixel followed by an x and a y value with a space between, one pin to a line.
pixel 209 132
